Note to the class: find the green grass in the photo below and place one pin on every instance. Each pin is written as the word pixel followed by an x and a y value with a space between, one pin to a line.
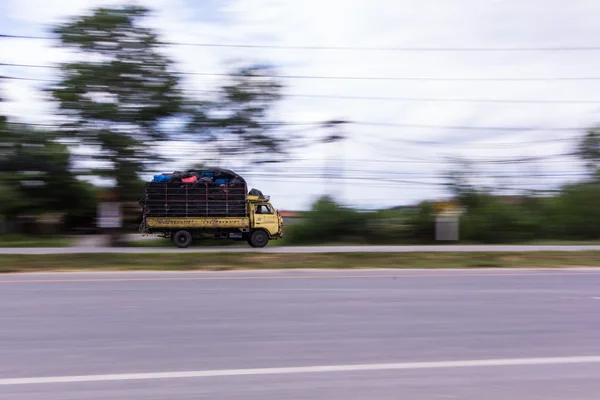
pixel 159 242
pixel 549 242
pixel 34 241
pixel 256 260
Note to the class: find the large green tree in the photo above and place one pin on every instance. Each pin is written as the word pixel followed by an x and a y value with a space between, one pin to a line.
pixel 118 93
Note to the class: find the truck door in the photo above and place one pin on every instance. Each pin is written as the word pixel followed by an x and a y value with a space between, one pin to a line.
pixel 266 218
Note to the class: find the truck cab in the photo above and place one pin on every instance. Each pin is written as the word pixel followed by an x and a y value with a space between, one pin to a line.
pixel 263 216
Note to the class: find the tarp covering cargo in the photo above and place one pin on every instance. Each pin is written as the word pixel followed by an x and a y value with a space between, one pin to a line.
pixel 211 192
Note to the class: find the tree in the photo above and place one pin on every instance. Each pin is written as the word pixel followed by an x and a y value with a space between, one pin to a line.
pixel 36 174
pixel 589 151
pixel 5 137
pixel 459 179
pixel 10 195
pixel 575 210
pixel 240 123
pixel 117 96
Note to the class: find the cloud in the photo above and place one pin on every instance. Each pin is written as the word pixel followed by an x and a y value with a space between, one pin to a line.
pixel 374 151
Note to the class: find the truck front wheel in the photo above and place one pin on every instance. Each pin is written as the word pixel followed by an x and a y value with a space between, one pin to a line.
pixel 258 238
pixel 182 239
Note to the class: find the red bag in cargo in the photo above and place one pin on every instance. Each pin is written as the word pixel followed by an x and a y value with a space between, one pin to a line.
pixel 191 179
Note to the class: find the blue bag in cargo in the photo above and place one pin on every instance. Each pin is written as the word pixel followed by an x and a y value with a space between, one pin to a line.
pixel 161 178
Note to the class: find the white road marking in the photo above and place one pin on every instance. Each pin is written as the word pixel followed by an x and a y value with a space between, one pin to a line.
pixel 301 370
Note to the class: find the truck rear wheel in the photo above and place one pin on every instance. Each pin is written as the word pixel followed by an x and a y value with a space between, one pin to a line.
pixel 182 239
pixel 258 238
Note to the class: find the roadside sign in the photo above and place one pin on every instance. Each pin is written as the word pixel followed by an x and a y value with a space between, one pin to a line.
pixel 109 215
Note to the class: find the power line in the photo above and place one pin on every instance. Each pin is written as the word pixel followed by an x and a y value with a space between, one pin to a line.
pixel 355 48
pixel 388 143
pixel 369 174
pixel 69 124
pixel 449 159
pixel 390 49
pixel 317 124
pixel 380 98
pixel 424 100
pixel 444 100
pixel 465 127
pixel 358 78
pixel 8 36
pixel 315 168
pixel 28 65
pixel 21 78
pixel 396 78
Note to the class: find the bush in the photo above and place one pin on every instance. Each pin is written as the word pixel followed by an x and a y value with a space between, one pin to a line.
pixel 489 220
pixel 329 222
pixel 422 223
pixel 575 212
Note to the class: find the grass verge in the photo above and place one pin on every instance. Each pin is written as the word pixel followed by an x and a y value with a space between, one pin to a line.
pixel 229 261
pixel 160 242
pixel 34 241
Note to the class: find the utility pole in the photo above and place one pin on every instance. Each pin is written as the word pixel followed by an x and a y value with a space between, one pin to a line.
pixel 336 135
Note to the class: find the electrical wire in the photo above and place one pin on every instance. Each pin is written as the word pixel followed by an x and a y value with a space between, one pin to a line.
pixel 358 78
pixel 354 48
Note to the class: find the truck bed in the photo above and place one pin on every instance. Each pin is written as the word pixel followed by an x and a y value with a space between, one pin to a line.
pixel 195 200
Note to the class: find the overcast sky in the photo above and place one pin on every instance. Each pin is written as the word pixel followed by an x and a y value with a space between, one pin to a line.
pixel 388 160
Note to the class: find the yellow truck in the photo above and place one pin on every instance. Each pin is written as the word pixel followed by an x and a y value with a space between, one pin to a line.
pixel 208 204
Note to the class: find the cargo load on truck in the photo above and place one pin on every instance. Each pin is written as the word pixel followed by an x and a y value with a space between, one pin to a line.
pixel 212 203
pixel 213 192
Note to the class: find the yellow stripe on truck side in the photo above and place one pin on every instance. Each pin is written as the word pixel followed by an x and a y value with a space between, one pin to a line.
pixel 195 222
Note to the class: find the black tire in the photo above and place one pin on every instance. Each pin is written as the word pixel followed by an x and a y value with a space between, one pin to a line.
pixel 182 239
pixel 258 238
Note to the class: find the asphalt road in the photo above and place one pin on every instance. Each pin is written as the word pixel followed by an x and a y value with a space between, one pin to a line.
pixel 351 335
pixel 302 249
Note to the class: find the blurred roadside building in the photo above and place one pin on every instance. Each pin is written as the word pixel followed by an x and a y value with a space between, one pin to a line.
pixel 291 217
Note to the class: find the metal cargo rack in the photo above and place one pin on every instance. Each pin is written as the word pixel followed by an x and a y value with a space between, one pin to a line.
pixel 199 199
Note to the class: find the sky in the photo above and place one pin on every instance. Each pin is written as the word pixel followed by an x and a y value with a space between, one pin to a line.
pixel 449 67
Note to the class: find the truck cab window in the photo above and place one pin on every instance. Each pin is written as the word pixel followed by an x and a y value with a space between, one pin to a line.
pixel 263 209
